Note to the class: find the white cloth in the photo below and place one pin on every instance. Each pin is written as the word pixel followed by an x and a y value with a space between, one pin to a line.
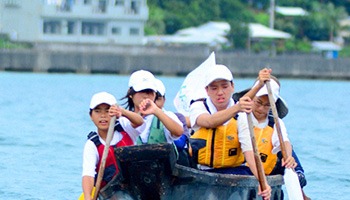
pixel 198 108
pixel 90 155
pixel 275 140
pixel 144 129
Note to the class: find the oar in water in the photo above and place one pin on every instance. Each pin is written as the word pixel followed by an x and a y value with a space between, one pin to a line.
pixel 258 163
pixel 291 180
pixel 104 156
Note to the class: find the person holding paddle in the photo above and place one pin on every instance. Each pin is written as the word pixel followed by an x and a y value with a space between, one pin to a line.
pixel 124 135
pixel 266 132
pixel 221 142
pixel 159 126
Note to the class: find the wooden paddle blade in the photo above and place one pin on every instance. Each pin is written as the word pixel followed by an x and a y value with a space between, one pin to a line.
pixel 291 182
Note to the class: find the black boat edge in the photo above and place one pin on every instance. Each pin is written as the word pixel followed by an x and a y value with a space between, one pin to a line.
pixel 150 172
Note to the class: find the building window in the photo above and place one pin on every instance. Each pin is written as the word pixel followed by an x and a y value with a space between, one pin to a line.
pixel 116 31
pixel 134 31
pixel 119 3
pixel 93 28
pixel 71 27
pixel 135 7
pixel 52 27
pixel 102 6
pixel 12 3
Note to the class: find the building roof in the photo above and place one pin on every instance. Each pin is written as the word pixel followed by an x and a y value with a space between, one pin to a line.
pixel 211 33
pixel 261 31
pixel 325 46
pixel 290 11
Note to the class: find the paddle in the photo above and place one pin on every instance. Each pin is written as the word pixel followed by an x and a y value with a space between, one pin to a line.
pixel 259 166
pixel 104 156
pixel 291 180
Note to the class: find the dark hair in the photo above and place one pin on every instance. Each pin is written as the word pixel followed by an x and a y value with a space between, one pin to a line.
pixel 213 81
pixel 158 95
pixel 129 103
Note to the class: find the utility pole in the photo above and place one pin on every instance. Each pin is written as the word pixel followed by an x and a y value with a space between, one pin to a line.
pixel 272 13
pixel 272 20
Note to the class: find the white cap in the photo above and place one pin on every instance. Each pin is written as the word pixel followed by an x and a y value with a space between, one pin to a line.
pixel 218 72
pixel 275 89
pixel 101 98
pixel 160 87
pixel 142 80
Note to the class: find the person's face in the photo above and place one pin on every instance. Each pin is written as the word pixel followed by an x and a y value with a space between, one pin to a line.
pixel 100 117
pixel 160 101
pixel 220 92
pixel 138 97
pixel 261 107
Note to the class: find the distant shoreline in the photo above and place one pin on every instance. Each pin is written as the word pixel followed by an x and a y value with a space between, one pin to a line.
pixel 162 61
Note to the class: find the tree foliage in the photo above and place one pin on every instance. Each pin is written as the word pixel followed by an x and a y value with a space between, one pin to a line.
pixel 321 23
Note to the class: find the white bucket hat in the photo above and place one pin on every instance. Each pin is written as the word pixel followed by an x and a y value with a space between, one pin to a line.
pixel 275 89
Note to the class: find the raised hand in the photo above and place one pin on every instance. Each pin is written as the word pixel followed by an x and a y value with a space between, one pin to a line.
pixel 245 104
pixel 115 110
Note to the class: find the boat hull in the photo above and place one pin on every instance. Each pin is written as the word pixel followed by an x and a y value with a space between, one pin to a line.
pixel 150 172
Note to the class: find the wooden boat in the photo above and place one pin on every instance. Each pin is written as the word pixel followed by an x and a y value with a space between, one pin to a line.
pixel 150 172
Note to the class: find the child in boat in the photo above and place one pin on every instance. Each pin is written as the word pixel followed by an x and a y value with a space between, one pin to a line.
pixel 222 124
pixel 124 135
pixel 181 143
pixel 159 126
pixel 266 134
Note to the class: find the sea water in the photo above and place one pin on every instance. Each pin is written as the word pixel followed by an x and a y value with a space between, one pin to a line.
pixel 44 121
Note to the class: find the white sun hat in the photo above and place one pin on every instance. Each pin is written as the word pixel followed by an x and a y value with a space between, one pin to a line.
pixel 142 80
pixel 102 98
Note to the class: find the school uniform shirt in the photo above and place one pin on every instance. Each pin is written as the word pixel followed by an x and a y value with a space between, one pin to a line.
pixel 90 155
pixel 144 129
pixel 198 108
pixel 275 140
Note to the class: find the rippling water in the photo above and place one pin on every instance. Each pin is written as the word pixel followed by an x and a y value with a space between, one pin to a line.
pixel 44 122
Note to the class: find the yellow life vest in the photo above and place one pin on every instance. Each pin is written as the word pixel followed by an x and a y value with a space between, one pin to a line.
pixel 264 143
pixel 218 147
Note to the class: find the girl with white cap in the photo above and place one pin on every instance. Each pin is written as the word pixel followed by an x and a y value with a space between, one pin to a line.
pixel 158 126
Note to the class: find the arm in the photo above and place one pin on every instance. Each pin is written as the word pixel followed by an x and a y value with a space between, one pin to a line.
pixel 174 128
pixel 249 156
pixel 212 121
pixel 88 184
pixel 290 162
pixel 188 122
pixel 264 75
pixel 135 119
pixel 247 148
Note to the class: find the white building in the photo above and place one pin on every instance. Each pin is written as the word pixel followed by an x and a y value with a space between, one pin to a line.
pixel 210 34
pixel 74 21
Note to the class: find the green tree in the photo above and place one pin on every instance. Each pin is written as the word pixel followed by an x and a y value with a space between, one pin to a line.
pixel 155 24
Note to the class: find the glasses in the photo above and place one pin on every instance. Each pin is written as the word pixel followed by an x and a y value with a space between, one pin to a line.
pixel 259 104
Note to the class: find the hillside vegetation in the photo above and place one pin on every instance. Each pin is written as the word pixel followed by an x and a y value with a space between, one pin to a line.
pixel 321 23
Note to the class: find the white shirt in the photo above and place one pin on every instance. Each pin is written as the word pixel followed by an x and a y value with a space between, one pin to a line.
pixel 145 128
pixel 275 140
pixel 90 155
pixel 198 108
